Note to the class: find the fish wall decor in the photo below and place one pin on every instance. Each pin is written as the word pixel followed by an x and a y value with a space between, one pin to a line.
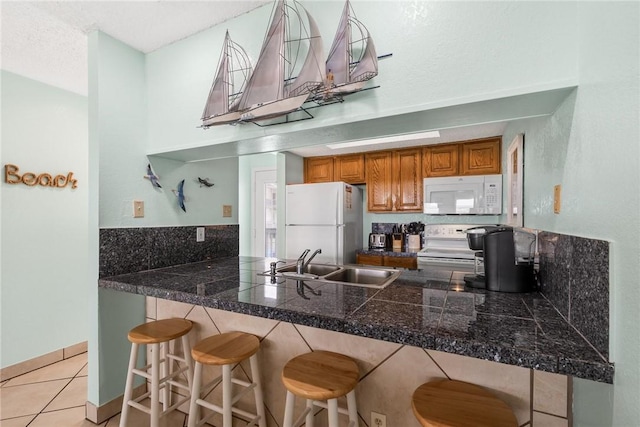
pixel 205 182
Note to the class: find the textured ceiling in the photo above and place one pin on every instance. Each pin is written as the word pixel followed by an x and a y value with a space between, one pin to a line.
pixel 47 40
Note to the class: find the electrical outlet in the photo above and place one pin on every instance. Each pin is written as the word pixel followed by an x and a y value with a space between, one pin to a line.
pixel 138 209
pixel 378 420
pixel 200 234
pixel 226 210
pixel 557 191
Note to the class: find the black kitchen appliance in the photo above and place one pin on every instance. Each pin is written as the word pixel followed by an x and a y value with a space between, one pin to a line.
pixel 508 257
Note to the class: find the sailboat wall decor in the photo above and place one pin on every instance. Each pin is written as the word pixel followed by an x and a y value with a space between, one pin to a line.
pixel 234 70
pixel 350 69
pixel 273 89
pixel 291 68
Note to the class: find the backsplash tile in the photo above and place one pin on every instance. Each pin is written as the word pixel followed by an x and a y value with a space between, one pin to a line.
pixel 574 276
pixel 130 250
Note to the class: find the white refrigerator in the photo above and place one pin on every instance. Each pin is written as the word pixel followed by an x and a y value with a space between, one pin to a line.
pixel 325 216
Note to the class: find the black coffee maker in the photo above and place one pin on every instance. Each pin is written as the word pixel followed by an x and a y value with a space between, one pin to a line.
pixel 508 255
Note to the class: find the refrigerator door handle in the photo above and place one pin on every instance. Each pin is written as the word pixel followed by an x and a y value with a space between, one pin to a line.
pixel 337 207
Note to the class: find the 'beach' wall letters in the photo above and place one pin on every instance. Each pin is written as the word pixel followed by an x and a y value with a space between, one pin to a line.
pixel 11 176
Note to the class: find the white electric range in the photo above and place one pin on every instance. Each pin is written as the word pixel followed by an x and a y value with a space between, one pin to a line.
pixel 446 246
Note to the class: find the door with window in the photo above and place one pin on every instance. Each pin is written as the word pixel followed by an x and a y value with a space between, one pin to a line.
pixel 264 212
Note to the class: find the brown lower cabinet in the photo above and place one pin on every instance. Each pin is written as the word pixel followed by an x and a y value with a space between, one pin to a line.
pixel 387 261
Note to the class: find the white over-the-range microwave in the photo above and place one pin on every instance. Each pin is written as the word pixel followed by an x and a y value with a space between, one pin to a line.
pixel 463 195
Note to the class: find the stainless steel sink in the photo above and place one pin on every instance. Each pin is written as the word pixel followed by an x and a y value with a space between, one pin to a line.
pixel 363 276
pixel 371 277
pixel 313 269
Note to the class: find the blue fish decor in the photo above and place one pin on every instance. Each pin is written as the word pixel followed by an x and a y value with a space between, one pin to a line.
pixel 152 177
pixel 205 182
pixel 180 195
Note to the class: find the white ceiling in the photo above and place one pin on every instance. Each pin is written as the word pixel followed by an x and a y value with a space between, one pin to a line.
pixel 47 41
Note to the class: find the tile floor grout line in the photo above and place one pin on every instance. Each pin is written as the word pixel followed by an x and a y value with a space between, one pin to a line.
pixel 38 382
pixel 49 403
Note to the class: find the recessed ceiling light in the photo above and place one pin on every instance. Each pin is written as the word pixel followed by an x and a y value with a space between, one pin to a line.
pixel 395 138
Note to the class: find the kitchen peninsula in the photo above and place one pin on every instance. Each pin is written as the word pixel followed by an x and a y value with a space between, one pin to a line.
pixel 425 320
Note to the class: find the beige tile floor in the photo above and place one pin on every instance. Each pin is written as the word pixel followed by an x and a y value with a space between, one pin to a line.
pixel 55 396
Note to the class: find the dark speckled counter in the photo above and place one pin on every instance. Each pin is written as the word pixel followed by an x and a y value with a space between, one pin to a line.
pixel 428 309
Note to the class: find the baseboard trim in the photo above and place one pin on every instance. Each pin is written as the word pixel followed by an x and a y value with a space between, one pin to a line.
pixel 100 414
pixel 42 361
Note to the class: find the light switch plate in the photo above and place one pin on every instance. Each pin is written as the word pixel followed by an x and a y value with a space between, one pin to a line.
pixel 199 234
pixel 557 191
pixel 226 210
pixel 138 209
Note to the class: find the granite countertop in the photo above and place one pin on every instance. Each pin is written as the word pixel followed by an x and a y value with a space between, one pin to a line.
pixel 409 253
pixel 424 308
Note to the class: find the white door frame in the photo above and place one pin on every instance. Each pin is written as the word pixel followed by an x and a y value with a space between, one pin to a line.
pixel 259 176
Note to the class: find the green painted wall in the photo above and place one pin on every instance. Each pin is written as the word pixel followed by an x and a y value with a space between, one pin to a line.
pixel 44 230
pixel 591 147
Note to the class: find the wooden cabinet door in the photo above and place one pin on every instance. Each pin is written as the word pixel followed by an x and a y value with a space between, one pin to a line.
pixel 402 262
pixel 318 169
pixel 481 157
pixel 379 189
pixel 368 259
pixel 350 168
pixel 441 160
pixel 407 171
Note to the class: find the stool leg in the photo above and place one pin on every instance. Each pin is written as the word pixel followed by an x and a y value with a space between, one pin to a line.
pixel 194 409
pixel 226 396
pixel 333 412
pixel 166 370
pixel 128 388
pixel 257 390
pixel 186 350
pixel 155 387
pixel 309 421
pixel 288 410
pixel 352 408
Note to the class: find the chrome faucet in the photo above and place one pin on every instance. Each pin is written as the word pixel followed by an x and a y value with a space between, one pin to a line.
pixel 301 264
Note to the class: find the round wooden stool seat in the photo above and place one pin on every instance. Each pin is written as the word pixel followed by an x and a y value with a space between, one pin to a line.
pixel 225 349
pixel 456 403
pixel 320 375
pixel 159 331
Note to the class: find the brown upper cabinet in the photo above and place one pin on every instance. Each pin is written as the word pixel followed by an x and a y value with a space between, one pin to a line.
pixel 477 157
pixel 481 157
pixel 394 177
pixel 394 180
pixel 348 168
pixel 318 169
pixel 441 160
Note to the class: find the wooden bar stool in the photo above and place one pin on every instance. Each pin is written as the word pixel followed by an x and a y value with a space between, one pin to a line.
pixel 226 350
pixel 458 404
pixel 316 376
pixel 164 332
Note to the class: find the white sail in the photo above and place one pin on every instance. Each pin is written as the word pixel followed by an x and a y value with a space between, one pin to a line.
pixel 349 73
pixel 312 73
pixel 222 102
pixel 267 81
pixel 272 91
pixel 340 52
